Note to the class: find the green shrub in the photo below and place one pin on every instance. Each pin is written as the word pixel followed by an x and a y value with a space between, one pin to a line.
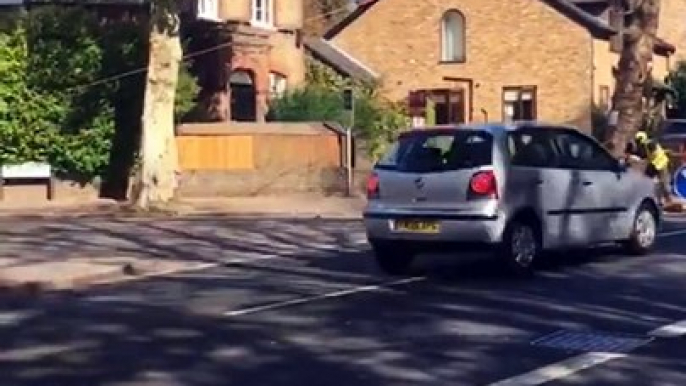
pixel 377 121
pixel 27 118
pixel 54 104
pixel 309 103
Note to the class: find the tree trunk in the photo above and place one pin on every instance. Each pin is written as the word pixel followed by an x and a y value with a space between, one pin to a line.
pixel 158 175
pixel 634 71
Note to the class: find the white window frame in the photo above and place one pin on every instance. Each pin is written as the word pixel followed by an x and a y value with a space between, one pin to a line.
pixel 278 84
pixel 514 95
pixel 453 39
pixel 207 9
pixel 266 12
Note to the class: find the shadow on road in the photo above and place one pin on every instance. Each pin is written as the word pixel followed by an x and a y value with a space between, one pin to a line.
pixel 465 325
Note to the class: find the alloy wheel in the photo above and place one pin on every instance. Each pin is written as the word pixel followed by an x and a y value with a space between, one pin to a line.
pixel 645 229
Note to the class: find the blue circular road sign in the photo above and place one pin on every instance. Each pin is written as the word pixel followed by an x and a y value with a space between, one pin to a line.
pixel 680 182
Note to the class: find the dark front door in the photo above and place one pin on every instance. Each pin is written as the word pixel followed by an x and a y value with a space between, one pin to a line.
pixel 243 96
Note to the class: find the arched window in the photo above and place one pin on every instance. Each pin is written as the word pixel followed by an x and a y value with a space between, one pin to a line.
pixel 453 47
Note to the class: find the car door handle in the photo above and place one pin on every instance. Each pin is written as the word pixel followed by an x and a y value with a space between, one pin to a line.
pixel 586 183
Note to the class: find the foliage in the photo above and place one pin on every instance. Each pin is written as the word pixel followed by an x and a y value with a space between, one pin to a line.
pixel 186 91
pixel 26 117
pixel 9 17
pixel 54 104
pixel 67 53
pixel 320 15
pixel 376 121
pixel 599 123
pixel 325 77
pixel 311 103
pixel 677 81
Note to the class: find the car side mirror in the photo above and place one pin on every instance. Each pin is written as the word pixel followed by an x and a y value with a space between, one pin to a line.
pixel 621 166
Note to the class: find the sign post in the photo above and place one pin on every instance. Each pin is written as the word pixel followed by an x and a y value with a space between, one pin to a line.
pixel 680 182
pixel 349 105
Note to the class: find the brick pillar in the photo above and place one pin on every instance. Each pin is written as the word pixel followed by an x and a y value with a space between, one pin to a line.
pixel 223 96
pixel 222 103
pixel 261 94
pixel 214 95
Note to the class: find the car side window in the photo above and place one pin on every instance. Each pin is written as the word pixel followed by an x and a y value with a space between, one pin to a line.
pixel 531 149
pixel 580 152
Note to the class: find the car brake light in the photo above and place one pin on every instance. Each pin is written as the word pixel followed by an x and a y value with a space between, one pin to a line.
pixel 483 185
pixel 373 186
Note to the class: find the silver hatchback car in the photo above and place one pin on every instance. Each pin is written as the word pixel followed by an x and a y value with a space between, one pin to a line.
pixel 516 190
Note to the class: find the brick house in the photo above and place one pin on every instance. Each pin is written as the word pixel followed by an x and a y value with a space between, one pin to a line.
pixel 479 60
pixel 261 54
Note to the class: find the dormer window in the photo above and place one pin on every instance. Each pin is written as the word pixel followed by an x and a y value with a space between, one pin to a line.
pixel 263 12
pixel 453 47
pixel 207 9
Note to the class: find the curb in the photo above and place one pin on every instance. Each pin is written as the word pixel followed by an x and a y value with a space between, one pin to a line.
pixel 34 288
pixel 67 211
pixel 117 213
pixel 272 215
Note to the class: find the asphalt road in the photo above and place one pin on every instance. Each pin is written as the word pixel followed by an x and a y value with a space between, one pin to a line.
pixel 301 303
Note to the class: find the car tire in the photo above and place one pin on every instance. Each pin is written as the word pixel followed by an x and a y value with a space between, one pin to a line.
pixel 520 248
pixel 393 260
pixel 643 231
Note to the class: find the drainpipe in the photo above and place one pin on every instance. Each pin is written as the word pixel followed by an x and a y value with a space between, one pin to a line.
pixel 593 85
pixel 470 91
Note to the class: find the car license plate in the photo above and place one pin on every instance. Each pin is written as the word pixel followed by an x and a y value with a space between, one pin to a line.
pixel 417 226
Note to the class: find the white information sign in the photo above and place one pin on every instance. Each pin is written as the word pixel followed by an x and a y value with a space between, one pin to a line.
pixel 26 170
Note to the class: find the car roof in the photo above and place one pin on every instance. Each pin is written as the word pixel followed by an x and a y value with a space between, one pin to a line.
pixel 494 128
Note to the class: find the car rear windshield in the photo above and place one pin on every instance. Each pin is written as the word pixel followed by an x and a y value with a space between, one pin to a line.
pixel 435 151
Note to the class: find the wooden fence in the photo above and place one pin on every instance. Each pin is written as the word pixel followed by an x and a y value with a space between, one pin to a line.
pixel 216 152
pixel 257 147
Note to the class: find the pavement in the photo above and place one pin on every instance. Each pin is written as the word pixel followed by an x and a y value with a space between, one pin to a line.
pixel 70 269
pixel 287 206
pixel 70 264
pixel 277 301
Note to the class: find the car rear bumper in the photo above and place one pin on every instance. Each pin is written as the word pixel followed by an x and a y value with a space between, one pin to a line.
pixel 476 229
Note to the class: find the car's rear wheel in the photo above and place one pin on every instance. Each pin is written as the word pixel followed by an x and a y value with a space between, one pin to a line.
pixel 393 259
pixel 520 247
pixel 643 231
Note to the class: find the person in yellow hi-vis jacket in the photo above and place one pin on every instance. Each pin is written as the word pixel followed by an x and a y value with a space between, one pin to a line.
pixel 657 163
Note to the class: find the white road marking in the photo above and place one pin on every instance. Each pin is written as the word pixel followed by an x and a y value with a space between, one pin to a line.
pixel 37 352
pixel 357 241
pixel 11 318
pixel 329 295
pixel 674 330
pixel 559 370
pixel 244 260
pixel 679 232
